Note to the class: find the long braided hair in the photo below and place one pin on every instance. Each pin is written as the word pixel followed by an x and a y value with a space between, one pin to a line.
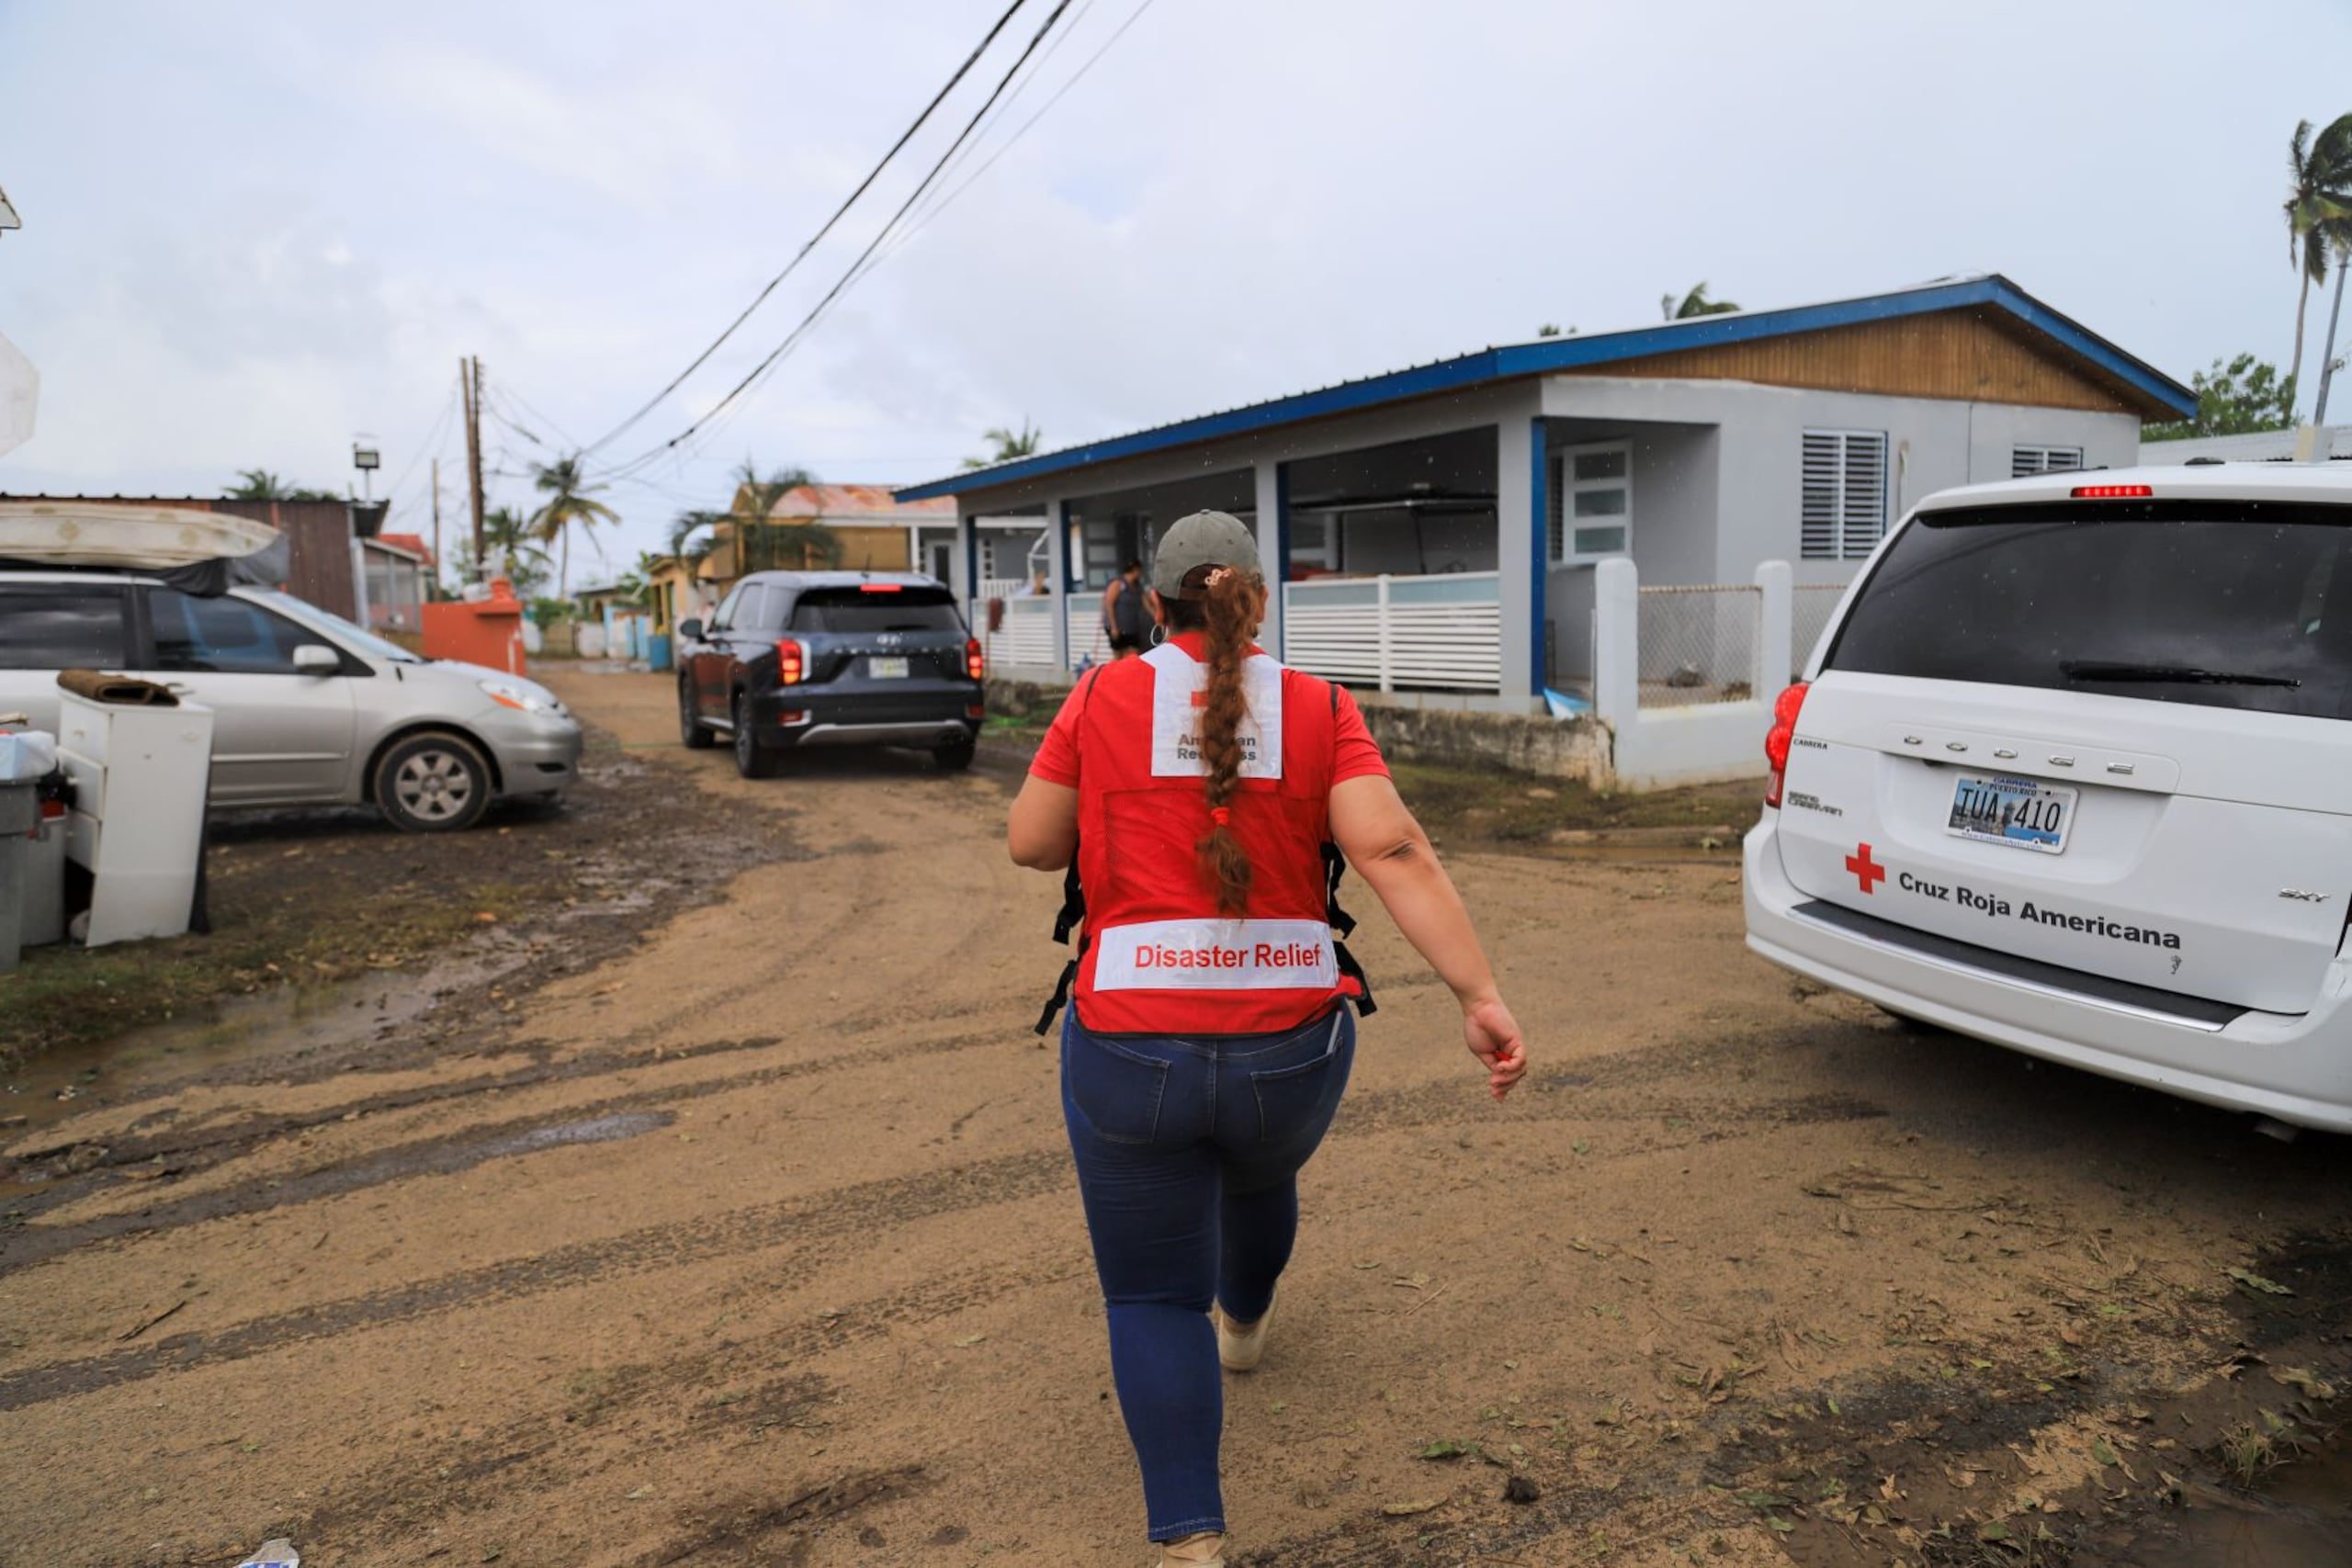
pixel 1222 602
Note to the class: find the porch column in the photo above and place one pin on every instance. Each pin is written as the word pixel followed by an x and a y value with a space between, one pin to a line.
pixel 1058 578
pixel 1274 545
pixel 1522 555
pixel 966 564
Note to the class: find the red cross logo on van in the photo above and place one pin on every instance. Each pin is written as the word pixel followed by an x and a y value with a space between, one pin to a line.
pixel 1866 872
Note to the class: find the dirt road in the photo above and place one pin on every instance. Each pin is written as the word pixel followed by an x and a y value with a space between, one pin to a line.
pixel 755 1242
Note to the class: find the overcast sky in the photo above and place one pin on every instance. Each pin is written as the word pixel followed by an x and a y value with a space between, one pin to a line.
pixel 254 230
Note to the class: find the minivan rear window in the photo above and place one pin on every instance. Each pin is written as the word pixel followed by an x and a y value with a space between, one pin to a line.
pixel 875 610
pixel 2235 604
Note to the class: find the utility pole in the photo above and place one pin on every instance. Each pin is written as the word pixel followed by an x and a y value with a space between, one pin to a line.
pixel 470 378
pixel 437 521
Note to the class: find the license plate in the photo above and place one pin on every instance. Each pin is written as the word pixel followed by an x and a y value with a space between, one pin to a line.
pixel 2024 814
pixel 891 669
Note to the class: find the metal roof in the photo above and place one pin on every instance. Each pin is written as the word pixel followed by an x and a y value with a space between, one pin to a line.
pixel 1547 355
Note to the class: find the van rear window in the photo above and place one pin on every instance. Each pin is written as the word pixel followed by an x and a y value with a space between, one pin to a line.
pixel 864 610
pixel 2236 605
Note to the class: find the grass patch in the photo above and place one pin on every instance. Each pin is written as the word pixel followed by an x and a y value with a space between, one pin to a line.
pixel 1507 807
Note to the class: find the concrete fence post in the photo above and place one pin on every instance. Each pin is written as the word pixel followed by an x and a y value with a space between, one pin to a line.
pixel 1616 643
pixel 1775 628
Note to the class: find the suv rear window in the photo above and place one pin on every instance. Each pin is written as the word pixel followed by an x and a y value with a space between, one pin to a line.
pixel 868 610
pixel 2235 604
pixel 60 626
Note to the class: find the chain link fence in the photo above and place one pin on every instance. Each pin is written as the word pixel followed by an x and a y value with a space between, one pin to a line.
pixel 1699 644
pixel 1809 613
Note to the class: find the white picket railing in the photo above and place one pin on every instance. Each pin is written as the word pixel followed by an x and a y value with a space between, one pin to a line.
pixel 1444 632
pixel 1025 638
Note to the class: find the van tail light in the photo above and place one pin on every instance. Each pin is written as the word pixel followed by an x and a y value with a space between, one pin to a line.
pixel 1782 734
pixel 791 663
pixel 2113 492
pixel 975 664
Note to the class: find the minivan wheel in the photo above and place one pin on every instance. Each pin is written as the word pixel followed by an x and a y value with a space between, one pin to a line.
pixel 432 783
pixel 690 728
pixel 753 758
pixel 955 755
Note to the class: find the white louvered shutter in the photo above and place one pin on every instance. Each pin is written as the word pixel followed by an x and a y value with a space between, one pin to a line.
pixel 2025 461
pixel 1844 493
pixel 1823 450
pixel 1861 516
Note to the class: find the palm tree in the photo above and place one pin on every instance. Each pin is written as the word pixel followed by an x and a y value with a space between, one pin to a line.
pixel 260 484
pixel 507 539
pixel 2319 196
pixel 1694 303
pixel 571 498
pixel 1007 445
pixel 752 511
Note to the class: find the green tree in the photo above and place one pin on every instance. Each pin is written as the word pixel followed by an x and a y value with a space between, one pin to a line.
pixel 1005 446
pixel 2319 206
pixel 2238 399
pixel 571 498
pixel 260 484
pixel 1694 303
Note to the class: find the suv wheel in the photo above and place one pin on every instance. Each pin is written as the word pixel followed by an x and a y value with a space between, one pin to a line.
pixel 754 758
pixel 690 730
pixel 432 783
pixel 955 755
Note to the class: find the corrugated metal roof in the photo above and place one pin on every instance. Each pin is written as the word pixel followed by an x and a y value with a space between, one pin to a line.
pixel 1545 354
pixel 865 503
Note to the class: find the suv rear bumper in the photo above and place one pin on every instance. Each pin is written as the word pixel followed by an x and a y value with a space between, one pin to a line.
pixel 2295 1067
pixel 921 719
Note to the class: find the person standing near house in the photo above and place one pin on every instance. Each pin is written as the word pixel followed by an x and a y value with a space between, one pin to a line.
pixel 1208 1044
pixel 1126 618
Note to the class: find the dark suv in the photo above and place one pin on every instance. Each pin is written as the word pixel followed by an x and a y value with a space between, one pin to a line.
pixel 793 658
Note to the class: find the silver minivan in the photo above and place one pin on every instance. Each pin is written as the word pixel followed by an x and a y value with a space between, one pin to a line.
pixel 308 708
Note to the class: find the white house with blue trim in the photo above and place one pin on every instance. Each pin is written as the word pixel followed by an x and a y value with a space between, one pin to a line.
pixel 1439 531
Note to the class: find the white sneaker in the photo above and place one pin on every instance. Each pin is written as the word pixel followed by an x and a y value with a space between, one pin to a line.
pixel 1240 1347
pixel 1206 1550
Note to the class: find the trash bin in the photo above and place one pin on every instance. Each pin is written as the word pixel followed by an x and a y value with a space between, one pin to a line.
pixel 19 817
pixel 657 652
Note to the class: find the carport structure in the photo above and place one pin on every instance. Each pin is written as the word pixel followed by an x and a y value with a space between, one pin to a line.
pixel 1434 532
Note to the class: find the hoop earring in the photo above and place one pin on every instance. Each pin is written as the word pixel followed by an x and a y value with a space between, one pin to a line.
pixel 1159 633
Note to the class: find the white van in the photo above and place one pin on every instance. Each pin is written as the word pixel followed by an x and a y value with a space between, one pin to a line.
pixel 2071 771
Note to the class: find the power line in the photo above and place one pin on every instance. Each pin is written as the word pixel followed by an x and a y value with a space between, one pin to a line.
pixel 863 185
pixel 923 218
pixel 793 339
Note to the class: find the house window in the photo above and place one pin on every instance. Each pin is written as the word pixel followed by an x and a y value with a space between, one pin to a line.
pixel 2025 461
pixel 1845 493
pixel 1591 506
pixel 1315 540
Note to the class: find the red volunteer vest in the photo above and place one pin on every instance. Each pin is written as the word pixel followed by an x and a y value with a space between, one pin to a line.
pixel 1159 959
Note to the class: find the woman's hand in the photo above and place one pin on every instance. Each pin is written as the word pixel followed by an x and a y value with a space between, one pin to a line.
pixel 1492 1034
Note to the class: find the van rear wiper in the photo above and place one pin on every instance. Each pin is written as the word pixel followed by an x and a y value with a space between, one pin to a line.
pixel 2187 674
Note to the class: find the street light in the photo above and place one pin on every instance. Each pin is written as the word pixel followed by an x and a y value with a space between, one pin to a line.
pixel 366 460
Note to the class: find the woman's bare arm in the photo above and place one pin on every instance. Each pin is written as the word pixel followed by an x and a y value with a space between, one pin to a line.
pixel 1042 832
pixel 1377 833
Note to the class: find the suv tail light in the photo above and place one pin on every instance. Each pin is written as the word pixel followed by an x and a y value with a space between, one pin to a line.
pixel 791 663
pixel 1782 734
pixel 975 663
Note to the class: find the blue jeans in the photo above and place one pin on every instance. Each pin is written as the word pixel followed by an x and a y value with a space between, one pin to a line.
pixel 1188 1156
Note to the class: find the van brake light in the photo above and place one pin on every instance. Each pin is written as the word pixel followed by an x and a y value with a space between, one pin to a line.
pixel 2112 493
pixel 791 663
pixel 1782 734
pixel 881 588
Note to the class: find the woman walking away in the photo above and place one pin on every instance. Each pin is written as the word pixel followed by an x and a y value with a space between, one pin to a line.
pixel 1196 788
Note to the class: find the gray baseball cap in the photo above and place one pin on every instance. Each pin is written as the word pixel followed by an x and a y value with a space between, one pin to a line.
pixel 1204 538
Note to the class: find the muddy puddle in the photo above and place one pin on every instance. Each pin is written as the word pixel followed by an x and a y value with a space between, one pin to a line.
pixel 2303 1518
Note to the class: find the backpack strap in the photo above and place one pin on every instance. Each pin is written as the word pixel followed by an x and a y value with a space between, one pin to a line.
pixel 1353 982
pixel 1072 914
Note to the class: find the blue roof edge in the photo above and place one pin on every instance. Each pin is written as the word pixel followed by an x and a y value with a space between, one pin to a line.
pixel 1549 354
